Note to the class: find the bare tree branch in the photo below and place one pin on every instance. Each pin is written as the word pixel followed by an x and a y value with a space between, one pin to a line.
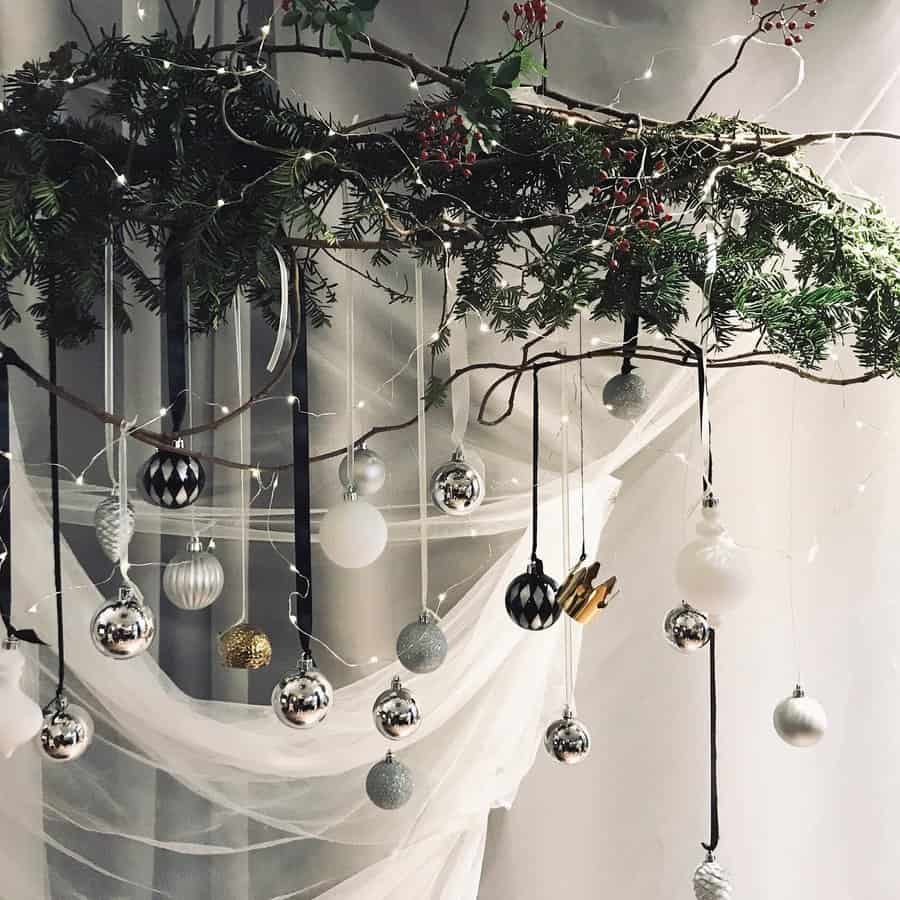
pixel 80 21
pixel 462 20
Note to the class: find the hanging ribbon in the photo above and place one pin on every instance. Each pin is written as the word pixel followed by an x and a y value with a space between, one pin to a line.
pixel 420 426
pixel 175 324
pixel 460 390
pixel 244 497
pixel 713 749
pixel 632 323
pixel 568 624
pixel 109 343
pixel 535 454
pixel 702 353
pixel 57 536
pixel 284 312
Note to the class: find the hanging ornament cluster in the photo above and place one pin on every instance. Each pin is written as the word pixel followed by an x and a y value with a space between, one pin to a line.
pixel 193 579
pixel 123 627
pixel 172 480
pixel 302 698
pixel 581 596
pixel 244 647
pixel 20 716
pixel 108 525
pixel 567 739
pixel 711 881
pixel 422 645
pixel 66 730
pixel 368 475
pixel 457 488
pixel 686 628
pixel 389 783
pixel 799 720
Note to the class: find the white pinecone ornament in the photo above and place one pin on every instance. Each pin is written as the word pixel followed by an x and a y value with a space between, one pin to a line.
pixel 106 524
pixel 711 882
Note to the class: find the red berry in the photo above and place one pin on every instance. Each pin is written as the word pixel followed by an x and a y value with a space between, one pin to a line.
pixel 668 217
pixel 620 197
pixel 808 25
pixel 606 153
pixel 467 173
pixel 648 225
pixel 754 2
pixel 611 230
pixel 477 135
pixel 792 25
pixel 505 15
pixel 788 42
pixel 779 24
pixel 457 120
pixel 517 9
pixel 423 155
pixel 630 155
pixel 614 264
pixel 798 38
pixel 624 245
pixel 602 176
pixel 286 4
pixel 529 14
pixel 519 34
pixel 432 130
pixel 660 165
pixel 441 156
pixel 471 157
pixel 596 192
pixel 445 140
pixel 422 136
pixel 452 164
pixel 768 26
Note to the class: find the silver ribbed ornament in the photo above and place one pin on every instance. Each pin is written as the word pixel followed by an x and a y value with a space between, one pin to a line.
pixel 711 881
pixel 107 522
pixel 422 645
pixel 369 471
pixel 124 627
pixel 626 396
pixel 193 579
pixel 396 712
pixel 567 740
pixel 686 628
pixel 389 783
pixel 302 698
pixel 457 488
pixel 67 731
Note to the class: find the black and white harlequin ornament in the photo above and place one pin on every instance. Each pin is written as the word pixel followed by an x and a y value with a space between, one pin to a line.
pixel 172 480
pixel 531 599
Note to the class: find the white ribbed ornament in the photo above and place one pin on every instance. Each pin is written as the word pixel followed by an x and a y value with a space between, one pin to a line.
pixel 106 524
pixel 711 882
pixel 194 579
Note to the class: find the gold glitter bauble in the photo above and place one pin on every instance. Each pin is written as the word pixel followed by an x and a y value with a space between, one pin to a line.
pixel 245 647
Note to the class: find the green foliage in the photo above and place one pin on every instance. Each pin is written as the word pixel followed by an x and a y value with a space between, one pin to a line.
pixel 344 20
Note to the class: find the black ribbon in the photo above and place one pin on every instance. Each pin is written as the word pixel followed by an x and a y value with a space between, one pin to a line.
pixel 302 528
pixel 703 392
pixel 632 322
pixel 57 537
pixel 713 749
pixel 176 336
pixel 535 453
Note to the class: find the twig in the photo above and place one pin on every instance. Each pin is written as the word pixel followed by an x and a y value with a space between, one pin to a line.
pixel 459 26
pixel 312 50
pixel 410 62
pixel 80 21
pixel 189 28
pixel 178 32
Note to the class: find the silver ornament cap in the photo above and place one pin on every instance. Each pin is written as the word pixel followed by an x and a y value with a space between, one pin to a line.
pixel 303 698
pixel 369 471
pixel 395 712
pixel 389 783
pixel 686 628
pixel 422 645
pixel 711 881
pixel 457 488
pixel 193 579
pixel 567 740
pixel 800 720
pixel 124 627
pixel 626 396
pixel 107 523
pixel 66 732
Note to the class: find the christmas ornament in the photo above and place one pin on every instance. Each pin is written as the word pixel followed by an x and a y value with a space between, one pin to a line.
pixel 353 534
pixel 20 717
pixel 686 629
pixel 567 740
pixel 531 600
pixel 107 522
pixel 711 881
pixel 625 395
pixel 712 571
pixel 244 647
pixel 457 488
pixel 124 627
pixel 799 720
pixel 302 698
pixel 66 731
pixel 395 712
pixel 194 579
pixel 389 783
pixel 578 595
pixel 369 472
pixel 422 645
pixel 172 480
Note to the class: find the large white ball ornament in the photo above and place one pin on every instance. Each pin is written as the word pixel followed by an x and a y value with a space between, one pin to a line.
pixel 712 571
pixel 353 534
pixel 20 717
pixel 799 720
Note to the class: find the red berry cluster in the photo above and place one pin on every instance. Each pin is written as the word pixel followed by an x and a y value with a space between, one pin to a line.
pixel 527 20
pixel 445 139
pixel 790 20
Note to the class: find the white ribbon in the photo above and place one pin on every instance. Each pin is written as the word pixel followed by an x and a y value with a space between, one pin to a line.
pixel 420 425
pixel 459 390
pixel 109 337
pixel 124 564
pixel 281 336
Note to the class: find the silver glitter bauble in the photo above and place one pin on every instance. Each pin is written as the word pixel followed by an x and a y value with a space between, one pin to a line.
pixel 124 627
pixel 567 740
pixel 302 698
pixel 625 395
pixel 369 472
pixel 172 480
pixel 457 488
pixel 422 645
pixel 193 579
pixel 396 712
pixel 686 628
pixel 799 720
pixel 531 599
pixel 711 882
pixel 107 522
pixel 66 732
pixel 389 783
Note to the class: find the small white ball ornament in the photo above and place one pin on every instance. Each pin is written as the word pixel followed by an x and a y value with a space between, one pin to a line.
pixel 369 472
pixel 799 720
pixel 66 732
pixel 712 571
pixel 124 627
pixel 396 712
pixel 567 739
pixel 711 881
pixel 353 533
pixel 302 698
pixel 389 783
pixel 686 629
pixel 194 579
pixel 422 645
pixel 626 396
pixel 20 717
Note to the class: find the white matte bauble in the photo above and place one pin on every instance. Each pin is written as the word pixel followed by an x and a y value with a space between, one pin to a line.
pixel 626 396
pixel 302 698
pixel 66 731
pixel 711 882
pixel 20 717
pixel 389 783
pixel 193 579
pixel 123 628
pixel 369 472
pixel 567 740
pixel 353 534
pixel 799 720
pixel 396 712
pixel 712 571
pixel 686 629
pixel 457 487
pixel 107 522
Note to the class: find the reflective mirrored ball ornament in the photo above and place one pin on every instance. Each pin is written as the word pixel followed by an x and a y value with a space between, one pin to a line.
pixel 711 881
pixel 389 783
pixel 626 396
pixel 686 628
pixel 172 480
pixel 66 732
pixel 567 740
pixel 531 600
pixel 396 712
pixel 106 525
pixel 124 627
pixel 422 645
pixel 244 647
pixel 799 720
pixel 457 488
pixel 193 579
pixel 302 698
pixel 369 472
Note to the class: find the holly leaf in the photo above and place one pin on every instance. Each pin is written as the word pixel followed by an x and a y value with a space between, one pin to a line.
pixel 507 75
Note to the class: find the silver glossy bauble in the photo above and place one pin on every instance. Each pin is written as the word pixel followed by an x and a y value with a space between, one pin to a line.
pixel 686 628
pixel 711 881
pixel 531 600
pixel 193 579
pixel 396 712
pixel 107 522
pixel 66 732
pixel 626 396
pixel 457 488
pixel 422 645
pixel 369 471
pixel 799 720
pixel 389 783
pixel 567 740
pixel 302 698
pixel 124 627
